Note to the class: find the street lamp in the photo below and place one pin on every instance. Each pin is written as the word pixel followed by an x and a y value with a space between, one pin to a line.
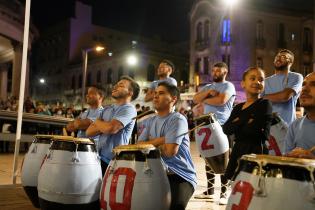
pixel 132 60
pixel 84 68
pixel 42 81
pixel 230 2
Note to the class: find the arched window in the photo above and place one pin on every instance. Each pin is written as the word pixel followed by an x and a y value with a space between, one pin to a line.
pixel 226 31
pixel 150 72
pixel 260 30
pixel 207 30
pixel 199 32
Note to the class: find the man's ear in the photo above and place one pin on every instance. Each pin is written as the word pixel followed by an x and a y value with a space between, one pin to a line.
pixel 242 84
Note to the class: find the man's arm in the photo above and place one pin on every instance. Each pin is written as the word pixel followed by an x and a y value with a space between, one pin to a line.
pixel 70 127
pixel 82 124
pixel 218 100
pixel 168 150
pixel 149 95
pixel 92 130
pixel 202 95
pixel 282 96
pixel 108 127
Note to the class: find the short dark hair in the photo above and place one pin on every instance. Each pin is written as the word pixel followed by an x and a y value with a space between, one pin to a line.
pixel 99 89
pixel 287 51
pixel 172 89
pixel 249 70
pixel 221 65
pixel 134 86
pixel 170 63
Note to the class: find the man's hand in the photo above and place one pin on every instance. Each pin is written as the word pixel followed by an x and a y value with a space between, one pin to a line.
pixel 299 152
pixel 212 93
pixel 70 127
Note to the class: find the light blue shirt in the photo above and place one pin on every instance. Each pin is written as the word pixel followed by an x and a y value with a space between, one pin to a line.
pixel 107 142
pixel 222 112
pixel 169 80
pixel 300 134
pixel 91 114
pixel 277 83
pixel 171 127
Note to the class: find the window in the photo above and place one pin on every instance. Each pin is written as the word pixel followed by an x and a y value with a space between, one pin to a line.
pixel 199 32
pixel 150 72
pixel 89 79
pixel 281 36
pixel 207 30
pixel 197 65
pixel 307 39
pixel 260 30
pixel 226 31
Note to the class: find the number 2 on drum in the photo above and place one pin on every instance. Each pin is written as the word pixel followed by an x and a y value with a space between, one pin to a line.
pixel 247 190
pixel 204 143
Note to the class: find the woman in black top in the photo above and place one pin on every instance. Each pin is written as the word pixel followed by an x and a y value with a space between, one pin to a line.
pixel 249 121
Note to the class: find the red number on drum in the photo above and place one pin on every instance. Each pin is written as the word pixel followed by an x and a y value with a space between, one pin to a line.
pixel 273 145
pixel 204 145
pixel 127 193
pixel 247 191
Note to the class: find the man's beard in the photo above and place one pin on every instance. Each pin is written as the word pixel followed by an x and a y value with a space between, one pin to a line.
pixel 283 67
pixel 218 79
pixel 119 96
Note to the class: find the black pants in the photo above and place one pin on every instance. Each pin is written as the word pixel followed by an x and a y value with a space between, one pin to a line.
pixel 104 166
pixel 210 181
pixel 181 192
pixel 239 149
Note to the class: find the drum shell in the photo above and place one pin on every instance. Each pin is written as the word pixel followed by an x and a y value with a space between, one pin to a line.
pixel 63 180
pixel 292 191
pixel 31 166
pixel 150 190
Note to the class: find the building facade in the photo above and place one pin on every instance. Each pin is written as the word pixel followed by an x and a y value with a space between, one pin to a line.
pixel 11 44
pixel 246 35
pixel 59 58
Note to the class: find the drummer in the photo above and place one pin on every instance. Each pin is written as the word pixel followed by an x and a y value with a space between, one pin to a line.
pixel 116 122
pixel 217 98
pixel 94 99
pixel 250 121
pixel 168 131
pixel 300 137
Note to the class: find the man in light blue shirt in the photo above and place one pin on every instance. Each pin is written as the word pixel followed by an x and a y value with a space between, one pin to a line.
pixel 165 69
pixel 300 137
pixel 283 87
pixel 217 98
pixel 94 99
pixel 116 122
pixel 168 130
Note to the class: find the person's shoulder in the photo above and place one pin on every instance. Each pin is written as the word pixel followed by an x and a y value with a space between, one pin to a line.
pixel 265 101
pixel 295 75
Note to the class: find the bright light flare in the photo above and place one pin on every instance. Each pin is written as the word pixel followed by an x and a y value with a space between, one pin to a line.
pixel 42 81
pixel 230 2
pixel 132 60
pixel 99 48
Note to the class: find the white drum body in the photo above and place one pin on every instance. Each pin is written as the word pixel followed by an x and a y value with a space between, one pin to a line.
pixel 211 140
pixel 273 192
pixel 137 181
pixel 31 166
pixel 70 175
pixel 278 130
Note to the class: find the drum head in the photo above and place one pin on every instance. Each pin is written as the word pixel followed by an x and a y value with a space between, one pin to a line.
pixel 72 139
pixel 43 139
pixel 145 148
pixel 207 118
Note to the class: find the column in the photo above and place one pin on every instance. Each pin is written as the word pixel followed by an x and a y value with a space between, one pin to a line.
pixel 3 81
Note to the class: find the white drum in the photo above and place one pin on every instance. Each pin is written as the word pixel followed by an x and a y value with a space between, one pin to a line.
pixel 278 130
pixel 273 183
pixel 212 143
pixel 31 165
pixel 71 176
pixel 135 179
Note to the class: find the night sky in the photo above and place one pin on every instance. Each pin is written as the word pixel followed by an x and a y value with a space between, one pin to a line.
pixel 167 19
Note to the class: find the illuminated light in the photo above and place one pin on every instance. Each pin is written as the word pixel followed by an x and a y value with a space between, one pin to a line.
pixel 230 2
pixel 99 48
pixel 132 60
pixel 110 54
pixel 42 81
